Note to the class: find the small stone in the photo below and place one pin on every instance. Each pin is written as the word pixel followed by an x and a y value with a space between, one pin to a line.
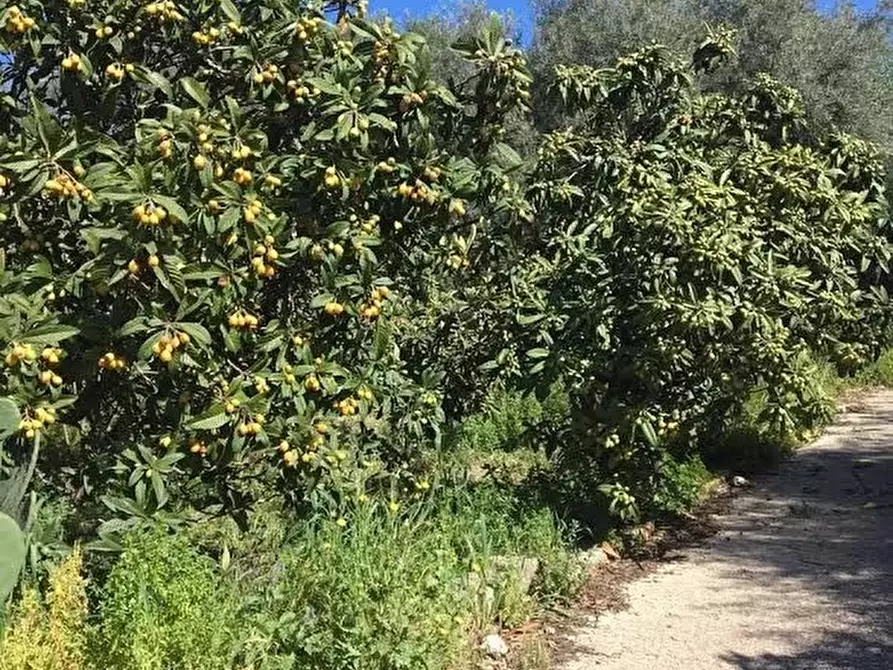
pixel 594 557
pixel 494 646
pixel 610 551
pixel 524 569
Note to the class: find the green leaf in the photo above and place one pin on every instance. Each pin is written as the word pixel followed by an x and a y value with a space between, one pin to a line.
pixel 196 90
pixel 50 334
pixel 506 157
pixel 161 496
pixel 231 11
pixel 139 324
pixel 537 353
pixel 172 206
pixel 154 79
pixel 213 418
pixel 196 331
pixel 9 417
pixel 526 320
pixel 322 300
pixel 12 555
pixel 648 432
pixel 164 280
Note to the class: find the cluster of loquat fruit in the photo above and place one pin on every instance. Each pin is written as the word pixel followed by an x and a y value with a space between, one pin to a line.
pixel 205 37
pixel 117 71
pixel 347 406
pixel 252 426
pixel 244 177
pixel 457 207
pixel 50 378
pixel 71 62
pixel 17 22
pixel 420 192
pixel 318 254
pixel 240 151
pixel 198 447
pixel 458 254
pixel 336 248
pixel 165 144
pixel 32 425
pixel 64 186
pixel 369 225
pixel 104 31
pixel 50 356
pixel 333 308
pixel 307 28
pixel 111 361
pixel 381 53
pixel 242 320
pixel 388 166
pixel 331 179
pixel 271 183
pixel 300 92
pixel 253 208
pixel 203 139
pixel 345 48
pixel 266 74
pixel 31 244
pixel 411 100
pixel 166 345
pixel 149 214
pixel 133 267
pixel 164 11
pixel 373 307
pixel 20 353
pixel 264 256
pixel 261 385
pixel 360 126
pixel 291 456
pixel 312 383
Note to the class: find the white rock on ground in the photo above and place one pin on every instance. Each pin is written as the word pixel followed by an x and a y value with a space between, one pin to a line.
pixel 778 588
pixel 494 646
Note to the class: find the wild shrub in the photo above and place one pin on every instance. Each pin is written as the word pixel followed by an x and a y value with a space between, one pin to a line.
pixel 163 606
pixel 48 633
pixel 693 250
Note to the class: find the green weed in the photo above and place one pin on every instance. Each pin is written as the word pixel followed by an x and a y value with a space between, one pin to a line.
pixel 163 607
pixel 370 588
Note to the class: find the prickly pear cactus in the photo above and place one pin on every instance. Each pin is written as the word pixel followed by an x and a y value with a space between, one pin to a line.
pixel 12 555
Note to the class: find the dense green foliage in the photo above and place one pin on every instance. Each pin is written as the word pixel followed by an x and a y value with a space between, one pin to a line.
pixel 701 246
pixel 248 271
pixel 841 61
pixel 278 301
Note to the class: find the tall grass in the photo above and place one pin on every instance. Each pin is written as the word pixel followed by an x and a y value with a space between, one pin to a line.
pixel 379 588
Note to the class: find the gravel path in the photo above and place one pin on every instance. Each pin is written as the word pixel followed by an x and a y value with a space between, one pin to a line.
pixel 799 577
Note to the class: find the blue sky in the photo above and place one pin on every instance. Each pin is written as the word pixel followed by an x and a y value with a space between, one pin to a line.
pixel 522 9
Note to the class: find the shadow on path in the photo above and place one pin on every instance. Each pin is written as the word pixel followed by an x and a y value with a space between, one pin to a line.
pixel 799 577
pixel 825 520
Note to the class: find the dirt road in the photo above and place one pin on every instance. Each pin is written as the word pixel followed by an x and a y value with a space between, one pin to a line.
pixel 800 576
